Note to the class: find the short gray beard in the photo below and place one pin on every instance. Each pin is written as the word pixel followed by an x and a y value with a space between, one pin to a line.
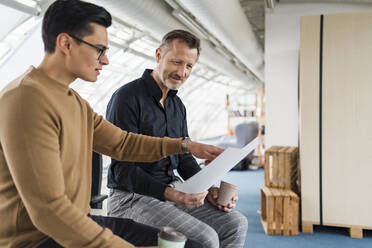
pixel 171 86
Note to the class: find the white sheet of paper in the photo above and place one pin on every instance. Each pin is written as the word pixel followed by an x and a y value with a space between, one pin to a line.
pixel 216 170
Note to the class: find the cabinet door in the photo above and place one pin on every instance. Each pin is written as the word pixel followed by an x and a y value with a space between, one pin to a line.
pixel 347 119
pixel 309 118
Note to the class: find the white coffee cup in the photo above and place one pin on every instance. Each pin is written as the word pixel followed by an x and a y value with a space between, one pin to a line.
pixel 168 237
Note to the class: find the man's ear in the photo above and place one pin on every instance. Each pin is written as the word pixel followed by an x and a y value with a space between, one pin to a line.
pixel 63 43
pixel 158 55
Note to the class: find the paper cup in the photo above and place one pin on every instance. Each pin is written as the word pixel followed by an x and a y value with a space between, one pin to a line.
pixel 226 193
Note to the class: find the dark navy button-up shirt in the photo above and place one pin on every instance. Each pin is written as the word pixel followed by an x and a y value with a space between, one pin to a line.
pixel 135 107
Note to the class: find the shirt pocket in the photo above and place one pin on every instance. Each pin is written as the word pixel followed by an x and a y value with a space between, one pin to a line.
pixel 153 124
pixel 175 127
pixel 146 129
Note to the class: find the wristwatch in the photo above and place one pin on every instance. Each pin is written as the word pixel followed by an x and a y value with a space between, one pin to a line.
pixel 185 142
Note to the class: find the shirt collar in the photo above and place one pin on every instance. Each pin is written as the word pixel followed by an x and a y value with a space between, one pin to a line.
pixel 153 88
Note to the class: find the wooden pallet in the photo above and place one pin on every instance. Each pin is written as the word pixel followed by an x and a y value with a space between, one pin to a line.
pixel 354 231
pixel 279 211
pixel 281 169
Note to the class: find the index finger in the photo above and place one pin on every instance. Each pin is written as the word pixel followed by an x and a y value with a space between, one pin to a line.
pixel 198 195
pixel 203 194
pixel 216 150
pixel 211 154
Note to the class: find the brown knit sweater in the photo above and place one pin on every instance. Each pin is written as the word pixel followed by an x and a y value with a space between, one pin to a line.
pixel 47 133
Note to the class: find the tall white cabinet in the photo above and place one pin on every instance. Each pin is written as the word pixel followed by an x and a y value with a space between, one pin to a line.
pixel 335 97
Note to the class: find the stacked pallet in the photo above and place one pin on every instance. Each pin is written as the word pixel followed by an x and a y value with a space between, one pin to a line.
pixel 279 202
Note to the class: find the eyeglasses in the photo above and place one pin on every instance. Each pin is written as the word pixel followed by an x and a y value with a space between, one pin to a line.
pixel 101 50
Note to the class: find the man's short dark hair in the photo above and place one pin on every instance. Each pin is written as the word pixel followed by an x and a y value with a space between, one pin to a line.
pixel 73 17
pixel 191 40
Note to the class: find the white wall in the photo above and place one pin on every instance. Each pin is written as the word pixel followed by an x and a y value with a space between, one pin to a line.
pixel 9 19
pixel 31 52
pixel 282 34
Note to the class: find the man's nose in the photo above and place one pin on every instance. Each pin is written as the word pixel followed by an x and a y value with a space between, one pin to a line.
pixel 104 60
pixel 182 71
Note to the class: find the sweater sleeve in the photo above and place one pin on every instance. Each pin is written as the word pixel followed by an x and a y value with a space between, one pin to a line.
pixel 125 146
pixel 29 135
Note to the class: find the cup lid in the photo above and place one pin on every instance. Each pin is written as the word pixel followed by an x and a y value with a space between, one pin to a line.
pixel 170 234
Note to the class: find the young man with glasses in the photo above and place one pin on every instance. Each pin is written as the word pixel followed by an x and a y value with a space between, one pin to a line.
pixel 48 133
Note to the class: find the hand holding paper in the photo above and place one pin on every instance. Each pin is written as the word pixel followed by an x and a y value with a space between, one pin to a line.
pixel 216 170
pixel 203 151
pixel 183 199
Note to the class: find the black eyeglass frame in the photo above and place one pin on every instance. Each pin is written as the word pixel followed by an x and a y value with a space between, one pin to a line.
pixel 101 50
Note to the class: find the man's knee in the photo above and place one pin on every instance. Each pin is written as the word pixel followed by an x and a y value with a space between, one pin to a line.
pixel 209 238
pixel 240 222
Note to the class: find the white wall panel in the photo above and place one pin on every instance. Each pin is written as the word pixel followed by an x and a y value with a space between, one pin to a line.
pixel 335 90
pixel 309 121
pixel 347 119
